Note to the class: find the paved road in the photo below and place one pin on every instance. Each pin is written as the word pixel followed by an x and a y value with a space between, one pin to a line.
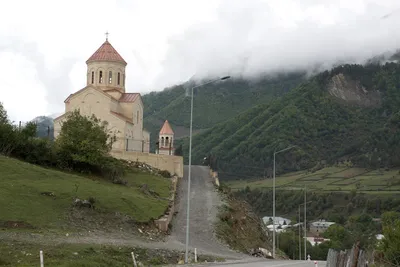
pixel 262 263
pixel 271 263
pixel 204 202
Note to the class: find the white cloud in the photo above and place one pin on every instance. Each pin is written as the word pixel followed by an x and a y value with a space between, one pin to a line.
pixel 166 42
pixel 21 97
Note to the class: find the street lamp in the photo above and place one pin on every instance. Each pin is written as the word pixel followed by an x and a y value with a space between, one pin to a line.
pixel 305 228
pixel 273 201
pixel 190 161
pixel 305 223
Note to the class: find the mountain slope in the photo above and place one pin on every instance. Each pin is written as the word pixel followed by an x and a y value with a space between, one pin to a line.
pixel 334 115
pixel 213 103
pixel 45 126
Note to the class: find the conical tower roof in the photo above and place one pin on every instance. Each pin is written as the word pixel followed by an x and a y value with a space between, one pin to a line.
pixel 106 52
pixel 166 129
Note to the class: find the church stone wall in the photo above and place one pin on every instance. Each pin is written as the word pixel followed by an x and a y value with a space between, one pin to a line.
pixel 105 67
pixel 93 102
pixel 173 164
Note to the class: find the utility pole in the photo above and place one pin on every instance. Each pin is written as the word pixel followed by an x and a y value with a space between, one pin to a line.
pixel 273 201
pixel 305 223
pixel 273 214
pixel 299 235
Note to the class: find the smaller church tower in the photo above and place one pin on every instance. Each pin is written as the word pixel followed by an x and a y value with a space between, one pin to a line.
pixel 166 140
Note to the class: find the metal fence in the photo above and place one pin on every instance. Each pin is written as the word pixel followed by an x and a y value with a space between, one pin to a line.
pixel 136 145
pixel 354 257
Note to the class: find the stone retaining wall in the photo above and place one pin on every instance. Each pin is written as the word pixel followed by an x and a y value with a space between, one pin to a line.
pixel 163 222
pixel 214 175
pixel 173 164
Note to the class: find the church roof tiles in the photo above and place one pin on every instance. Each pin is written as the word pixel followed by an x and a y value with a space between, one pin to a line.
pixel 121 116
pixel 128 97
pixel 166 129
pixel 106 52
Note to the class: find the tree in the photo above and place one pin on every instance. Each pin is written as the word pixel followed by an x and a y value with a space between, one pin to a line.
pixel 363 229
pixel 339 236
pixel 7 133
pixel 84 140
pixel 178 151
pixel 3 115
pixel 390 244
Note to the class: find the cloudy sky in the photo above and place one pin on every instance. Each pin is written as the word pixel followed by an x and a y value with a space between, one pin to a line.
pixel 44 43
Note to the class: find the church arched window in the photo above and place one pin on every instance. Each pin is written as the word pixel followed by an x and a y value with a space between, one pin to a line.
pixel 123 79
pixel 92 77
pixel 110 77
pixel 166 141
pixel 101 77
pixel 162 141
pixel 119 78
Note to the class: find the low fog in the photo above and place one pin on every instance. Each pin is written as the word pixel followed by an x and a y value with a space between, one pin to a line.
pixel 165 43
pixel 260 37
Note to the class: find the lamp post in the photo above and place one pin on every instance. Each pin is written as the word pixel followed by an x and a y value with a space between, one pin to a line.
pixel 305 231
pixel 305 223
pixel 190 161
pixel 273 202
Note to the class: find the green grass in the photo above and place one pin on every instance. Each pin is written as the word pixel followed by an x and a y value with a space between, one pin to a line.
pixel 23 254
pixel 18 254
pixel 21 185
pixel 332 179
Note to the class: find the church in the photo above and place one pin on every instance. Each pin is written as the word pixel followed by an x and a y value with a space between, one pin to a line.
pixel 104 96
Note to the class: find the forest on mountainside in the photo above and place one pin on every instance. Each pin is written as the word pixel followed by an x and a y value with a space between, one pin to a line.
pixel 45 127
pixel 213 103
pixel 325 128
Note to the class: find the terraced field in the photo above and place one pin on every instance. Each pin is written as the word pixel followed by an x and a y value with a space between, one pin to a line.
pixel 332 179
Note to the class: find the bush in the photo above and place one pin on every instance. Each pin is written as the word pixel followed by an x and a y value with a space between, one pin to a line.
pixel 36 151
pixel 111 168
pixel 165 173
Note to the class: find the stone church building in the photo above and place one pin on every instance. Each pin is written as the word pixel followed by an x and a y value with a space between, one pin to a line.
pixel 104 96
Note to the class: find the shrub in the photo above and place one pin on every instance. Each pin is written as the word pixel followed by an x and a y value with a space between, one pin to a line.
pixel 37 151
pixel 165 173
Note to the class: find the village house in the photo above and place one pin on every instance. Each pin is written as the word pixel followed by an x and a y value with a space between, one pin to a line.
pixel 320 226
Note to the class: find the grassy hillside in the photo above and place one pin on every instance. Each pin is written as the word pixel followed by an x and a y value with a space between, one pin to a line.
pixel 213 103
pixel 350 112
pixel 22 188
pixel 85 255
pixel 331 179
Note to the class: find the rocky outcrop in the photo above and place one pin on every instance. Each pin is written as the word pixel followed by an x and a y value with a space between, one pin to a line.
pixel 353 92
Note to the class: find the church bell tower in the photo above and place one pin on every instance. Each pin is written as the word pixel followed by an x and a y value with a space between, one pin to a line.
pixel 106 69
pixel 166 140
